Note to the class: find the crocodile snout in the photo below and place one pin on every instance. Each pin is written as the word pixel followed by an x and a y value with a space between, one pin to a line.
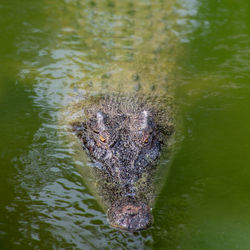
pixel 130 215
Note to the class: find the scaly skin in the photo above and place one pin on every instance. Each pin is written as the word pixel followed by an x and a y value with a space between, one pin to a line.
pixel 124 137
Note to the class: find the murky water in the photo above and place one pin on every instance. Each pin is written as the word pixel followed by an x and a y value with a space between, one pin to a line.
pixel 197 49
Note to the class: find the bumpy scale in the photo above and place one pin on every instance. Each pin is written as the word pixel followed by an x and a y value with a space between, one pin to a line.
pixel 124 136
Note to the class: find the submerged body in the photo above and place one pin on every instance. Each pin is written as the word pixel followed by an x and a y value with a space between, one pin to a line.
pixel 124 137
pixel 122 114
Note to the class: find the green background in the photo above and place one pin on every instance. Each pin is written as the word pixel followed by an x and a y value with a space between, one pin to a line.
pixel 47 46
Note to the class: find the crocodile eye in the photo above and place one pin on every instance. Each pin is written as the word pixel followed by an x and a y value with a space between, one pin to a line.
pixel 102 139
pixel 146 140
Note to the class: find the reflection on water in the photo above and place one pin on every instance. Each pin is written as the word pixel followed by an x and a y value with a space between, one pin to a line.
pixel 52 49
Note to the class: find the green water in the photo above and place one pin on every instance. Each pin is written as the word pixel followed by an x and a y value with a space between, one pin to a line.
pixel 48 48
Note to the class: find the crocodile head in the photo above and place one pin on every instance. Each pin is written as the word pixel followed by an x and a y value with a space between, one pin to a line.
pixel 124 143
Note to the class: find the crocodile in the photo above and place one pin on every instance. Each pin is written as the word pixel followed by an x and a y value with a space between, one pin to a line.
pixel 122 113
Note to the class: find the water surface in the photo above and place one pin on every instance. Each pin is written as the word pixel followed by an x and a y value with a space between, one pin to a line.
pixel 50 48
